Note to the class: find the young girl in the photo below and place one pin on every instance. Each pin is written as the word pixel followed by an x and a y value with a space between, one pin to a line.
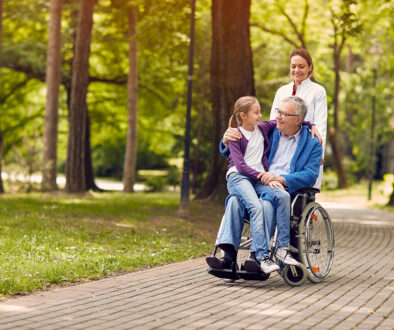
pixel 248 161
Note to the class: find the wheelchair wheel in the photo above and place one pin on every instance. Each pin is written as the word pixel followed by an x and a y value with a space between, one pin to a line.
pixel 246 242
pixel 295 275
pixel 316 242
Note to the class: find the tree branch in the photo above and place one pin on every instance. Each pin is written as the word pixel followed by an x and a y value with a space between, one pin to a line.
pixel 304 17
pixel 293 25
pixel 279 33
pixel 13 90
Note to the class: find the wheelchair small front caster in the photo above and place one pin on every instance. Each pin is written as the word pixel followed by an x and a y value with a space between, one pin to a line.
pixel 295 275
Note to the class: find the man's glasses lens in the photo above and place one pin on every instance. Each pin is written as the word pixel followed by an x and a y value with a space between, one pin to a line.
pixel 284 114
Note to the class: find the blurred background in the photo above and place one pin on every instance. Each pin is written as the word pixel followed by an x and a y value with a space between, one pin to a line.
pixel 76 76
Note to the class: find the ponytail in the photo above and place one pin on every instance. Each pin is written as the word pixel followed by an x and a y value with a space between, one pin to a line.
pixel 233 122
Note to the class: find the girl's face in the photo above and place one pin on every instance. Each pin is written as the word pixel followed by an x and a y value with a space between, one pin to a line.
pixel 299 69
pixel 253 117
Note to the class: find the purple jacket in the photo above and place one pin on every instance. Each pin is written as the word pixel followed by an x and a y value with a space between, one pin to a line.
pixel 238 149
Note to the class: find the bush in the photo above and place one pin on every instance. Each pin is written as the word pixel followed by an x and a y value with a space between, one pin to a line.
pixel 157 183
pixel 330 180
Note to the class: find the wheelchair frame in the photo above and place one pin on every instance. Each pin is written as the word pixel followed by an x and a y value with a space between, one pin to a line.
pixel 311 243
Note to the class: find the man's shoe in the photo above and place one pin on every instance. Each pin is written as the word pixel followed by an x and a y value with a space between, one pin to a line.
pixel 268 266
pixel 216 263
pixel 285 256
pixel 251 265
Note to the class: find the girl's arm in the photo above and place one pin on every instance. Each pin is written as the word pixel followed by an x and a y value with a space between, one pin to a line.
pixel 239 161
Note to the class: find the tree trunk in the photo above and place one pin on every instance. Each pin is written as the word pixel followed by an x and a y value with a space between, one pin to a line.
pixel 53 79
pixel 76 149
pixel 231 78
pixel 1 159
pixel 89 175
pixel 333 131
pixel 1 134
pixel 129 168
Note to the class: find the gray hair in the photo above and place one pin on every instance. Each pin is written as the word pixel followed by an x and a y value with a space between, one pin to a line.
pixel 301 108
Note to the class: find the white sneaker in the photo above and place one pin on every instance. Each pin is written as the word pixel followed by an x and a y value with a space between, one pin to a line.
pixel 268 266
pixel 285 256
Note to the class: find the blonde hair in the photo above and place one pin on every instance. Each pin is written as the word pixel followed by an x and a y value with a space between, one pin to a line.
pixel 243 104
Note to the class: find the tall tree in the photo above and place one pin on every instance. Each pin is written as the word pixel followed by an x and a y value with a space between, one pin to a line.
pixel 345 24
pixel 53 79
pixel 231 78
pixel 76 149
pixel 1 134
pixel 129 168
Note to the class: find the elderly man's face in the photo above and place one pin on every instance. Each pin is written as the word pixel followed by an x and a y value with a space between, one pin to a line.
pixel 287 120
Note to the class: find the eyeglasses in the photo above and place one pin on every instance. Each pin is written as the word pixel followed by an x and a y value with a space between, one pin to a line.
pixel 284 114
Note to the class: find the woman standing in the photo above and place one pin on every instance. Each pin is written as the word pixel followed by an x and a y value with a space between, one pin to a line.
pixel 313 94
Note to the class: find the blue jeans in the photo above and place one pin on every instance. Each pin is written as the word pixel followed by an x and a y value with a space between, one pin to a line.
pixel 281 202
pixel 244 189
pixel 232 223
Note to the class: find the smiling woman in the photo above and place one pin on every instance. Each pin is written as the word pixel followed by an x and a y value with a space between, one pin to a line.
pixel 313 94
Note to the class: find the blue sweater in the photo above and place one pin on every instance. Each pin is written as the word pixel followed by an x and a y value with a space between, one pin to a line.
pixel 305 164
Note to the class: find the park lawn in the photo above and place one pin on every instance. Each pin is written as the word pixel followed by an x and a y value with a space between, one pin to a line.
pixel 54 239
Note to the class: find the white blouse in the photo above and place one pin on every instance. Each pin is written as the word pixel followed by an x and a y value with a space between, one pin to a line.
pixel 315 97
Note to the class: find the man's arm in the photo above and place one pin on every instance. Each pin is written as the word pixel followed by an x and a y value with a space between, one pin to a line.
pixel 224 149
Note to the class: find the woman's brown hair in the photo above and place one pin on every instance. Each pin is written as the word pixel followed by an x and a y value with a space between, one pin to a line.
pixel 243 104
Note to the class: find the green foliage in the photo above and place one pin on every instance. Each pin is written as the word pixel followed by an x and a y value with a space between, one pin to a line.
pixel 163 40
pixel 330 180
pixel 160 181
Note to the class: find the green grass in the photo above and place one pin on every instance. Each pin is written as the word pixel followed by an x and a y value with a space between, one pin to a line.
pixel 50 239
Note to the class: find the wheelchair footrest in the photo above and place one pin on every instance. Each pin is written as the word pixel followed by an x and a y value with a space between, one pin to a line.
pixel 253 276
pixel 224 273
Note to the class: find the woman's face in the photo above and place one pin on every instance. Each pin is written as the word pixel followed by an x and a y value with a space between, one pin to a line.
pixel 299 69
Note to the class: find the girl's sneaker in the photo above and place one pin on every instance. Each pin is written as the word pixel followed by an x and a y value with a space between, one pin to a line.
pixel 268 266
pixel 285 256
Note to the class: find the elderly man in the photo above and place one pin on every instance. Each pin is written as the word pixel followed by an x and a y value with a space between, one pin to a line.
pixel 294 163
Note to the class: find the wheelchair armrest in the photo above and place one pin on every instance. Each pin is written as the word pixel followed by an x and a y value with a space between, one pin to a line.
pixel 308 190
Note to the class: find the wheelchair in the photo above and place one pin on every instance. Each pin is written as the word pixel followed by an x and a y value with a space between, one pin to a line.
pixel 311 243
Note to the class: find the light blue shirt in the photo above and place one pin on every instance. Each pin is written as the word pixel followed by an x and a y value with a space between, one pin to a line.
pixel 286 147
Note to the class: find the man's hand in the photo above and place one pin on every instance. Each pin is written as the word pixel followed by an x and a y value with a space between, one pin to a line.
pixel 232 134
pixel 267 177
pixel 316 133
pixel 276 184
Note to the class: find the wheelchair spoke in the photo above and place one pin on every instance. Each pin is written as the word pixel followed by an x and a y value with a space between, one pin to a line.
pixel 316 242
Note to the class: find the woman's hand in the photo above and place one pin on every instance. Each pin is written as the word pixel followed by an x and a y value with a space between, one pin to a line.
pixel 232 134
pixel 316 133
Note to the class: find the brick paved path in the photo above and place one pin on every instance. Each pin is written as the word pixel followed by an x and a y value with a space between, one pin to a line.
pixel 357 294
